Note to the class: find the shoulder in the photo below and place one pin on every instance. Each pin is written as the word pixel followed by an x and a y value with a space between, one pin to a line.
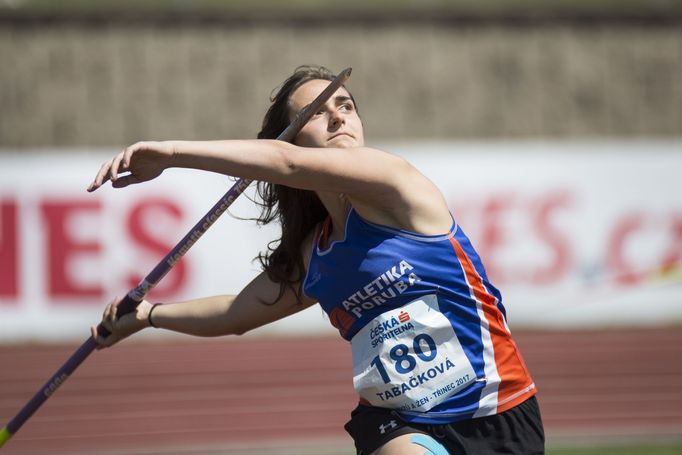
pixel 411 201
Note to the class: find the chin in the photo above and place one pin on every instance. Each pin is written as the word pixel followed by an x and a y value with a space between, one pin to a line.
pixel 343 142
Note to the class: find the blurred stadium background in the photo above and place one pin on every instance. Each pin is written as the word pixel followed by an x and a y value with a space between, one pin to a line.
pixel 554 128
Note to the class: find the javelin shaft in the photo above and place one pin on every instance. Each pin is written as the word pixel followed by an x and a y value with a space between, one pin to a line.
pixel 135 296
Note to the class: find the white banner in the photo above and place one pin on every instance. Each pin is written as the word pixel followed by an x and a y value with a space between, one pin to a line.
pixel 574 234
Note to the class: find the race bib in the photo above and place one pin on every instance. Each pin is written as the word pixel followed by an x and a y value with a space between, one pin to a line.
pixel 410 358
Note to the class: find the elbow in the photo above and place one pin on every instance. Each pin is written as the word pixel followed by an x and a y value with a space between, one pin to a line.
pixel 288 160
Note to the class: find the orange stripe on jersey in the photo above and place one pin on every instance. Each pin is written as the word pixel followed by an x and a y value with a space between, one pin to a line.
pixel 514 376
pixel 342 321
pixel 325 232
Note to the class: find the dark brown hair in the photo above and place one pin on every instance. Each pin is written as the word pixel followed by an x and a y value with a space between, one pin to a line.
pixel 298 211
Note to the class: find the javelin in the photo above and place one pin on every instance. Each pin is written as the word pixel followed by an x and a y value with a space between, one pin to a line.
pixel 135 296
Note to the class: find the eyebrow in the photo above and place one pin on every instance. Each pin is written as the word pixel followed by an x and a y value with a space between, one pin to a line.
pixel 342 99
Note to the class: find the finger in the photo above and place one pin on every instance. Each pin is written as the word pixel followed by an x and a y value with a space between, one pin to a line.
pixel 101 177
pixel 105 338
pixel 111 314
pixel 108 318
pixel 115 165
pixel 128 153
pixel 105 321
pixel 97 337
pixel 107 325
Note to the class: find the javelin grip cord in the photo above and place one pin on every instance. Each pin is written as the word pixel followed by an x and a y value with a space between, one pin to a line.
pixel 130 302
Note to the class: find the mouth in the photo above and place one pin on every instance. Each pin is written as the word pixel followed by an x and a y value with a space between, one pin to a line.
pixel 341 135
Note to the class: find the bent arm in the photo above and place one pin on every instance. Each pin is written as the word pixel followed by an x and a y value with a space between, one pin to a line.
pixel 358 170
pixel 384 188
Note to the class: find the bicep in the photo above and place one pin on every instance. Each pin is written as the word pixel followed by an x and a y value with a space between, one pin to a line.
pixel 257 305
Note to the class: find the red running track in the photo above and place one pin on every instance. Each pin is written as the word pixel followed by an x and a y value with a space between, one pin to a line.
pixel 196 395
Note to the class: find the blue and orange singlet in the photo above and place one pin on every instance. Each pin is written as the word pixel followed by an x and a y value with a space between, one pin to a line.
pixel 428 330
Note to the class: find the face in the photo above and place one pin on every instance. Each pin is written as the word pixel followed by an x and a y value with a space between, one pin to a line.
pixel 336 124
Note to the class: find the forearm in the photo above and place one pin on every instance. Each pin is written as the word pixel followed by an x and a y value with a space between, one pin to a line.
pixel 206 317
pixel 256 159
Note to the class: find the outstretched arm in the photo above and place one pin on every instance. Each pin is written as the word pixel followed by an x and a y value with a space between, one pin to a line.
pixel 208 316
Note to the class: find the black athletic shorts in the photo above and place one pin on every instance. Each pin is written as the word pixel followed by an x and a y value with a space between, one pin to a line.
pixel 516 431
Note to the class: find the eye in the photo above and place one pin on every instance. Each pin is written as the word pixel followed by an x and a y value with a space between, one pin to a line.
pixel 347 107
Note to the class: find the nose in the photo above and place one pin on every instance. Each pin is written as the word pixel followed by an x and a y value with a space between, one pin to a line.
pixel 335 120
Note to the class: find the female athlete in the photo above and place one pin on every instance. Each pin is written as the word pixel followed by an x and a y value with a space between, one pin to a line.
pixel 371 239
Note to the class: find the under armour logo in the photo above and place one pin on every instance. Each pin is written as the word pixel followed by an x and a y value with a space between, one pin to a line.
pixel 389 426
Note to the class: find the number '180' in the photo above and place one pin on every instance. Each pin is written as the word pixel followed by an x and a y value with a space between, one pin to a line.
pixel 403 361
